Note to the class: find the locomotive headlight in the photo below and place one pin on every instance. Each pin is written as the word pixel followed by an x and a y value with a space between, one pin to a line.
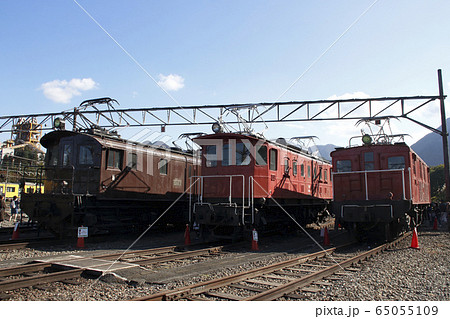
pixel 217 128
pixel 59 124
pixel 366 139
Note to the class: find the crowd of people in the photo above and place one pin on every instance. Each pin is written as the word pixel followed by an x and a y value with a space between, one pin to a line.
pixel 439 212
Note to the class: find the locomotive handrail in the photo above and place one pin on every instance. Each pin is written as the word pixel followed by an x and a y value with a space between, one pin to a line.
pixel 41 178
pixel 402 170
pixel 200 196
pixel 37 176
pixel 62 179
pixel 251 197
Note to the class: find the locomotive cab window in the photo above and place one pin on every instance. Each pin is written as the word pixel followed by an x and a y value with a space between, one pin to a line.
pixel 344 166
pixel 261 155
pixel 369 165
pixel 242 154
pixel 86 155
pixel 189 171
pixel 396 162
pixel 52 155
pixel 67 154
pixel 226 155
pixel 273 159
pixel 211 156
pixel 286 165
pixel 163 166
pixel 132 160
pixel 317 173
pixel 115 158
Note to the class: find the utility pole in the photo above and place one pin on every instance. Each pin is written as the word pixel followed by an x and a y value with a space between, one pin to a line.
pixel 444 135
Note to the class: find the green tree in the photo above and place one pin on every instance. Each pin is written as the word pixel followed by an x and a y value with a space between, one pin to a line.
pixel 437 183
pixel 27 152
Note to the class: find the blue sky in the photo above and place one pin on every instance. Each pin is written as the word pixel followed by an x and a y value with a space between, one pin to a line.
pixel 53 55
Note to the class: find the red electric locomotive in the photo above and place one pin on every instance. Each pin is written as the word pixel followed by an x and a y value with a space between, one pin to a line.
pixel 246 179
pixel 380 187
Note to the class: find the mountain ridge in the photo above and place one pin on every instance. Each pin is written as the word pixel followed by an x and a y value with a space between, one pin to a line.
pixel 429 147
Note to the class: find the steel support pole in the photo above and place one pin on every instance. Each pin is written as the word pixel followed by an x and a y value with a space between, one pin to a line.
pixel 74 119
pixel 444 135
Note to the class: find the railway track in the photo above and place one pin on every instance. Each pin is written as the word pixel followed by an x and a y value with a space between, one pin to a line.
pixel 60 268
pixel 63 269
pixel 160 255
pixel 24 243
pixel 13 245
pixel 280 280
pixel 34 274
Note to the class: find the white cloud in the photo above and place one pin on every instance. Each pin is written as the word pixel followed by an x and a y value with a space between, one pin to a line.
pixel 62 91
pixel 171 82
pixel 349 96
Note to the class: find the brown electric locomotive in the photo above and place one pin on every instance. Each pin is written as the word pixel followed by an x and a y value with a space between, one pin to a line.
pixel 380 187
pixel 249 182
pixel 98 180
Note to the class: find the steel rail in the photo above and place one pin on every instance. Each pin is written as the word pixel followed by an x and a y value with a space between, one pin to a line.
pixel 39 279
pixel 11 271
pixel 280 291
pixel 156 259
pixel 19 244
pixel 68 274
pixel 272 293
pixel 12 246
pixel 158 250
pixel 176 256
pixel 220 282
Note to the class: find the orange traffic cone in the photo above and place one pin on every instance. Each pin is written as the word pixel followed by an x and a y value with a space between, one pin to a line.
pixel 255 240
pixel 80 242
pixel 187 236
pixel 15 234
pixel 415 240
pixel 435 225
pixel 326 239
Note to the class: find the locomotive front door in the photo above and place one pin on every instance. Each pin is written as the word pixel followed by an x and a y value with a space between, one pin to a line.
pixel 371 179
pixel 315 178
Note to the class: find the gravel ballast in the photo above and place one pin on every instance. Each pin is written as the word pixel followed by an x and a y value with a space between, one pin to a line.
pixel 402 273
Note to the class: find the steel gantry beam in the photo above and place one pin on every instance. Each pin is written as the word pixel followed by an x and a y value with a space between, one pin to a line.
pixel 104 115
